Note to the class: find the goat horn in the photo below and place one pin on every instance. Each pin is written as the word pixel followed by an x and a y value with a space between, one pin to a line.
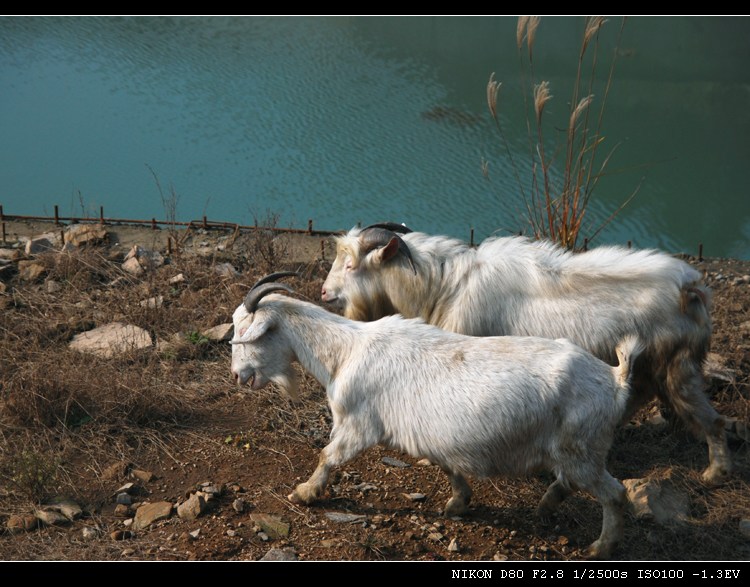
pixel 377 236
pixel 257 293
pixel 273 277
pixel 392 226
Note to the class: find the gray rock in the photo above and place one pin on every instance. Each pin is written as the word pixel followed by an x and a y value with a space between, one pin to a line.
pixel 67 507
pixel 51 518
pixel 152 303
pixel 657 500
pixel 238 505
pixel 51 286
pixel 745 527
pixel 111 340
pixel 179 278
pixel 272 525
pixel 219 333
pixel 81 234
pixel 415 496
pixel 231 533
pixel 365 487
pixel 42 243
pixel 391 462
pixel 146 258
pixel 226 270
pixel 192 508
pixel 344 518
pixel 279 554
pixel 152 512
pixel 88 533
pixel 211 490
pixel 123 499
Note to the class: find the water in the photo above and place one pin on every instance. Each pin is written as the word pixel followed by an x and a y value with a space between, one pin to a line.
pixel 364 119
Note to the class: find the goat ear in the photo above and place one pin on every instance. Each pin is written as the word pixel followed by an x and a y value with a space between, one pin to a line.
pixel 388 251
pixel 253 332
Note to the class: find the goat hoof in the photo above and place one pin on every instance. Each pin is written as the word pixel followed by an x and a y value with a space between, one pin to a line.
pixel 598 552
pixel 455 509
pixel 715 476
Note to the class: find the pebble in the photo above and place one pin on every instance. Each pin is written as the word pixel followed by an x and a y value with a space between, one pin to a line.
pixel 89 533
pixel 124 499
pixel 238 505
pixel 395 463
pixel 415 496
pixel 454 546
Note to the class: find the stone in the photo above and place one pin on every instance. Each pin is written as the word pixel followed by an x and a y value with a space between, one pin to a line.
pixel 454 546
pixel 424 463
pixel 345 518
pixel 133 267
pixel 194 534
pixel 231 533
pixel 238 505
pixel 435 536
pixel 82 234
pixel 21 523
pixel 88 533
pixel 51 518
pixel 42 243
pixel 226 270
pixel 10 254
pixel 111 340
pixel 500 557
pixel 152 303
pixel 179 278
pixel 66 506
pixel 115 471
pixel 272 525
pixel 127 488
pixel 659 501
pixel 391 462
pixel 30 270
pixel 122 510
pixel 192 508
pixel 365 487
pixel 279 554
pixel 146 258
pixel 745 527
pixel 220 333
pixel 152 512
pixel 144 476
pixel 51 286
pixel 121 535
pixel 212 490
pixel 123 499
pixel 414 496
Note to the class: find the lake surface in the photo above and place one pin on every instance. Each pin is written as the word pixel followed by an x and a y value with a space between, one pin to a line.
pixel 363 119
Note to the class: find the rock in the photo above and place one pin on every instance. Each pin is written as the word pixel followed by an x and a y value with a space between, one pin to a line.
pixel 424 463
pixel 152 512
pixel 10 254
pixel 144 476
pixel 194 534
pixel 211 490
pixel 30 270
pixel 345 518
pixel 129 522
pixel 121 535
pixel 22 523
pixel 414 496
pixel 500 557
pixel 745 527
pixel 226 270
pixel 51 286
pixel 435 536
pixel 115 471
pixel 127 488
pixel 122 510
pixel 152 303
pixel 657 500
pixel 123 499
pixel 454 546
pixel 231 533
pixel 328 543
pixel 179 278
pixel 219 333
pixel 271 525
pixel 110 340
pixel 365 487
pixel 51 518
pixel 67 507
pixel 81 234
pixel 278 554
pixel 238 505
pixel 133 267
pixel 391 462
pixel 42 243
pixel 88 533
pixel 128 552
pixel 263 536
pixel 192 508
pixel 146 259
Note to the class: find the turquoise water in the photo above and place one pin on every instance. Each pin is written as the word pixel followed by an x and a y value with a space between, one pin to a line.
pixel 363 119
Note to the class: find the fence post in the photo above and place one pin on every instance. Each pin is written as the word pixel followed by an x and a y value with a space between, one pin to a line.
pixel 471 237
pixel 309 226
pixel 3 232
pixel 101 215
pixel 585 244
pixel 57 216
pixel 153 224
pixel 700 251
pixel 2 217
pixel 205 223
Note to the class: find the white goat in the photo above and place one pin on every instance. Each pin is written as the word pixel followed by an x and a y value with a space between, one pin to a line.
pixel 514 286
pixel 474 406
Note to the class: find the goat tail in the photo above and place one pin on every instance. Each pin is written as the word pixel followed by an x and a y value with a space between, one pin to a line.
pixel 627 351
pixel 695 302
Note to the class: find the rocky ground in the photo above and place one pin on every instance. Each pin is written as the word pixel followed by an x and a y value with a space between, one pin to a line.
pixel 154 454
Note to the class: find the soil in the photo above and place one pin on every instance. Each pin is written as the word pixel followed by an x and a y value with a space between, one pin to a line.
pixel 256 446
